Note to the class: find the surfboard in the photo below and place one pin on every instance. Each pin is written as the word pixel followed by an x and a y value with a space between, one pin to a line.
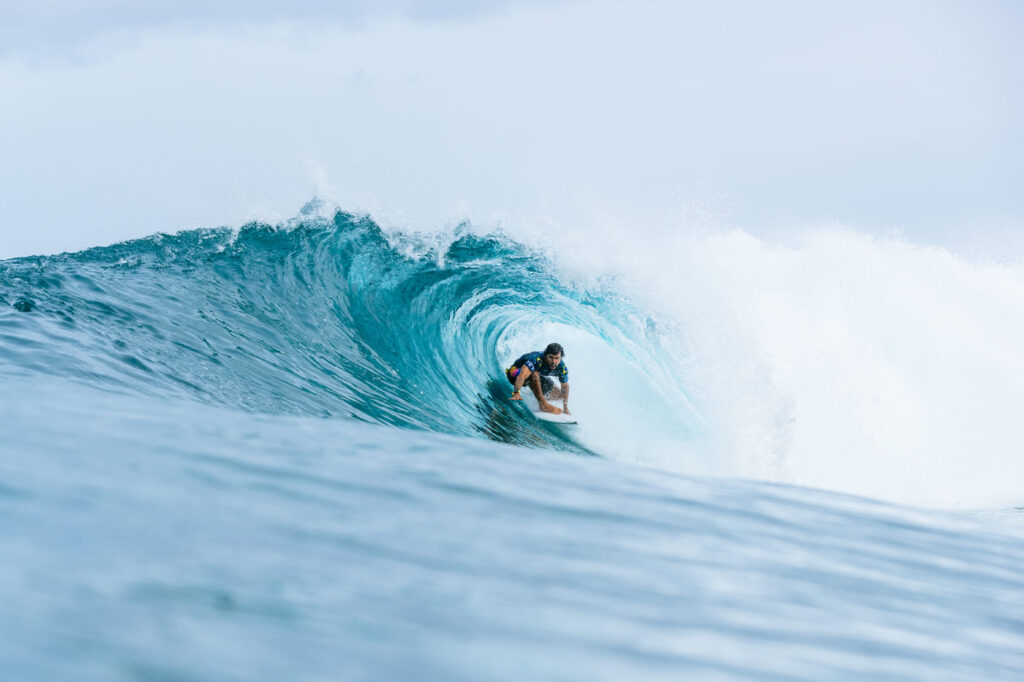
pixel 531 403
pixel 554 418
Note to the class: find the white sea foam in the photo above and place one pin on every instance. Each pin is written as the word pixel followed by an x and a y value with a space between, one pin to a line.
pixel 836 359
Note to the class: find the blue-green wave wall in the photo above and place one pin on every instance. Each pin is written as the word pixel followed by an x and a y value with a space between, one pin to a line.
pixel 324 316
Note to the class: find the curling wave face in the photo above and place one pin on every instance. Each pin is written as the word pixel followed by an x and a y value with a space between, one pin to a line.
pixel 323 316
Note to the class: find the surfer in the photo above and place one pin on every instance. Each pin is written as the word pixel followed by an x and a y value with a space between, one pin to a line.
pixel 538 368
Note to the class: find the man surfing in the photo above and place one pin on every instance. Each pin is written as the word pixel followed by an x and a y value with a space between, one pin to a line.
pixel 537 368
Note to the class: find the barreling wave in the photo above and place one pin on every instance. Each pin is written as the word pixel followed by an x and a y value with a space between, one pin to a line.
pixel 322 316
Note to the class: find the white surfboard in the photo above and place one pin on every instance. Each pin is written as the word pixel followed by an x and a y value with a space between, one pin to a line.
pixel 531 402
pixel 554 418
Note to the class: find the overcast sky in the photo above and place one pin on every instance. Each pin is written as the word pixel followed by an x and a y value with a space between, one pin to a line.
pixel 52 25
pixel 120 119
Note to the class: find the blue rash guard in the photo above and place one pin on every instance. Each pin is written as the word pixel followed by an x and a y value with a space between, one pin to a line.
pixel 535 363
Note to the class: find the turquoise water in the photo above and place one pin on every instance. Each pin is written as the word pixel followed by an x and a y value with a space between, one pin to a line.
pixel 287 453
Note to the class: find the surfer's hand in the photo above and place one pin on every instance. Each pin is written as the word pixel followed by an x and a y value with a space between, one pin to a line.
pixel 516 396
pixel 565 409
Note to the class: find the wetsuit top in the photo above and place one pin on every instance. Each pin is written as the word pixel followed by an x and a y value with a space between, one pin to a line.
pixel 535 362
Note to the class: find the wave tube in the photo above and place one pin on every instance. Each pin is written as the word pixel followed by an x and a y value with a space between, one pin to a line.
pixel 331 317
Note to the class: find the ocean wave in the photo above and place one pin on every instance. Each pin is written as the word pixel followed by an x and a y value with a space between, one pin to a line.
pixel 843 361
pixel 324 315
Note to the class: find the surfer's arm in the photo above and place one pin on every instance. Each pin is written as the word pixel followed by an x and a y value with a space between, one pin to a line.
pixel 565 397
pixel 520 380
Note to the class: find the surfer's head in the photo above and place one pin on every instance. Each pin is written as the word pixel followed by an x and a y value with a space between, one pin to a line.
pixel 553 354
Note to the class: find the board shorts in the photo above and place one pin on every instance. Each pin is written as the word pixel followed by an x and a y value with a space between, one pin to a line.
pixel 546 383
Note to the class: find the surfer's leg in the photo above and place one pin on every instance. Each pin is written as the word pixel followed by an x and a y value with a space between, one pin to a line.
pixel 545 406
pixel 554 393
pixel 534 380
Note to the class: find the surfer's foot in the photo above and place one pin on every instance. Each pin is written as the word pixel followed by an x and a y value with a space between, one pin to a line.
pixel 548 407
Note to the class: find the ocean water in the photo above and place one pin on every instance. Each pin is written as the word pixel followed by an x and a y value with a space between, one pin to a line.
pixel 286 452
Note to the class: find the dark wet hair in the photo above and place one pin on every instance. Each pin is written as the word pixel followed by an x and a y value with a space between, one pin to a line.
pixel 554 349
